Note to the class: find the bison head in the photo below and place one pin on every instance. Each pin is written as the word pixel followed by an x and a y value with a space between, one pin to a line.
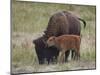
pixel 51 41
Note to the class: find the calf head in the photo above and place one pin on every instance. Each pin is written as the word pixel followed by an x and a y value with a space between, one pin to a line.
pixel 51 41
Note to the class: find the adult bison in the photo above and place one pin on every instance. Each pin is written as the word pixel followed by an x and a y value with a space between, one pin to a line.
pixel 59 24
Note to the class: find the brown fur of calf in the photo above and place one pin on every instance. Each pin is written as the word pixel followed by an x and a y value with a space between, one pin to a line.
pixel 65 43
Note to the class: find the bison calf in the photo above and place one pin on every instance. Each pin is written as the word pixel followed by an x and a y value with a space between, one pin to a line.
pixel 65 43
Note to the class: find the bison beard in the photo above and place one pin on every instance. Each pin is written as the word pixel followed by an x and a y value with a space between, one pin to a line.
pixel 59 24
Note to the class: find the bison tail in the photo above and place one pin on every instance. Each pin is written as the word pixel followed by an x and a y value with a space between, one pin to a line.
pixel 83 22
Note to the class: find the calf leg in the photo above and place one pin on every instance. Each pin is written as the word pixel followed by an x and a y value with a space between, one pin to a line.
pixel 66 55
pixel 73 55
pixel 61 56
pixel 77 55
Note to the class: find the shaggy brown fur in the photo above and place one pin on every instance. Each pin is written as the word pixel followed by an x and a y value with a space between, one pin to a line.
pixel 60 23
pixel 63 23
pixel 65 43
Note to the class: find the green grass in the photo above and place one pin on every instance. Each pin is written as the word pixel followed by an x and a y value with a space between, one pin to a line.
pixel 24 56
pixel 30 18
pixel 88 55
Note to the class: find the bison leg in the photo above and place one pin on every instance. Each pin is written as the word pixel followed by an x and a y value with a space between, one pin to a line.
pixel 73 55
pixel 49 60
pixel 61 56
pixel 41 59
pixel 78 52
pixel 40 54
pixel 66 55
pixel 77 55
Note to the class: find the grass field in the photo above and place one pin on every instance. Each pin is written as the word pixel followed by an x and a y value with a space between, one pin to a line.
pixel 30 19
